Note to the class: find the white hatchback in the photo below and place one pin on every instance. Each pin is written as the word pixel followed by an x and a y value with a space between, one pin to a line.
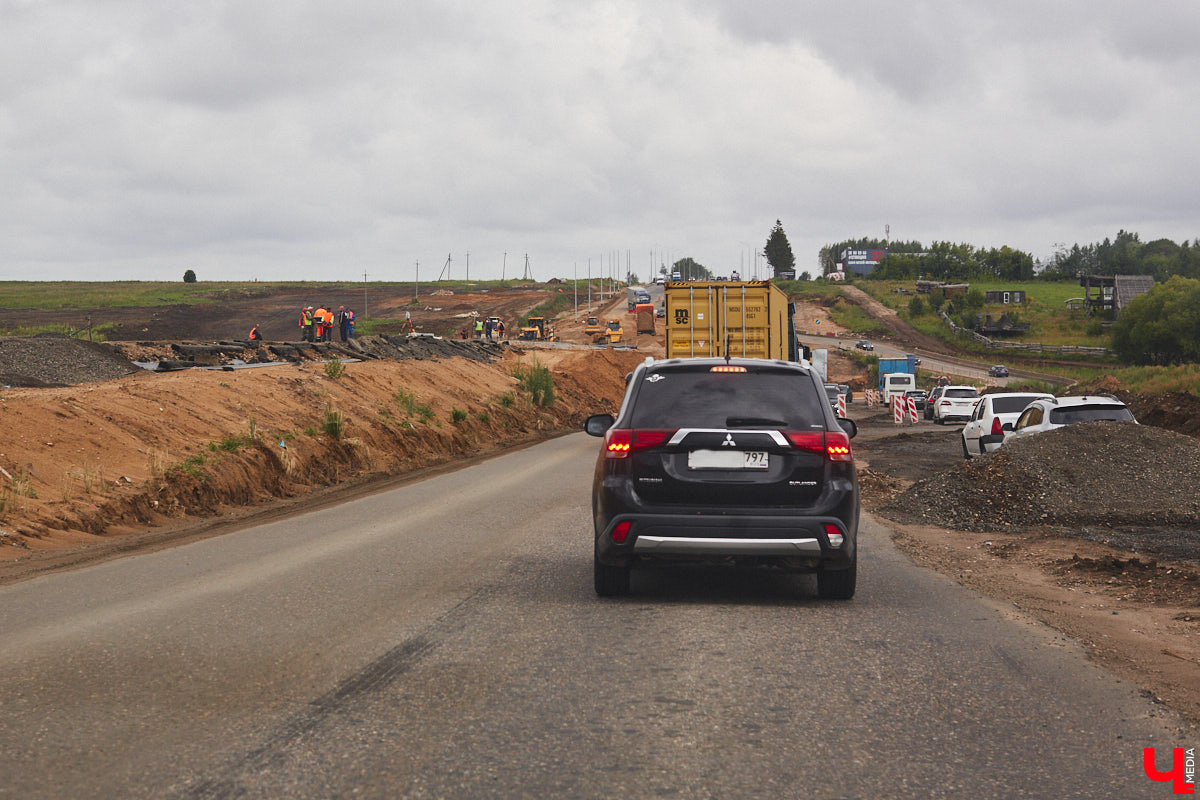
pixel 955 402
pixel 1056 412
pixel 993 419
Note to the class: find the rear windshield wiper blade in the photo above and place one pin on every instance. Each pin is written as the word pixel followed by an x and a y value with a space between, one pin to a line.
pixel 743 422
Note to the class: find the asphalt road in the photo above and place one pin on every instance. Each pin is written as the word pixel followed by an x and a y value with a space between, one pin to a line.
pixel 442 640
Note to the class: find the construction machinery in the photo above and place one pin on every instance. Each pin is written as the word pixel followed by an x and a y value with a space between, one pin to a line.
pixel 593 326
pixel 538 330
pixel 610 334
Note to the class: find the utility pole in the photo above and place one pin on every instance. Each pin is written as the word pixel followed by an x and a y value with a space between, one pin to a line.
pixel 528 276
pixel 503 265
pixel 364 294
pixel 589 287
pixel 575 283
pixel 417 280
pixel 468 265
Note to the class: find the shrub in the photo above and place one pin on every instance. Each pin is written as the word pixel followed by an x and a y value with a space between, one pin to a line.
pixel 457 415
pixel 507 399
pixel 334 369
pixel 333 422
pixel 406 400
pixel 189 276
pixel 483 416
pixel 538 381
pixel 916 307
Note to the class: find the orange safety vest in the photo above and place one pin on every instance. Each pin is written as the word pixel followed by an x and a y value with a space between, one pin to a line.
pixel 254 334
pixel 319 316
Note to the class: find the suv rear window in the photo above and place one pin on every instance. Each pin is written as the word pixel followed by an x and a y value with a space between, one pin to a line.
pixel 1011 405
pixel 697 398
pixel 960 393
pixel 1090 413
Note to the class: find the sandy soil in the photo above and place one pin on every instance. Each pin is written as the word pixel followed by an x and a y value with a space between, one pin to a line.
pixel 88 463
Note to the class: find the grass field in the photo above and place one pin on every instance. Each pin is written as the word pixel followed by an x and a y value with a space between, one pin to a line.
pixel 1045 309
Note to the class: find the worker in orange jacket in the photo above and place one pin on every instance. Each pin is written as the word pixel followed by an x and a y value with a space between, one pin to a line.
pixel 319 323
pixel 328 325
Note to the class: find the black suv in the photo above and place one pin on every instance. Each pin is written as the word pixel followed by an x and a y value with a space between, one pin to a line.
pixel 738 461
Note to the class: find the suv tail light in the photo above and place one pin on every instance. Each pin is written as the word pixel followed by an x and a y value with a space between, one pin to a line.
pixel 833 445
pixel 620 442
pixel 997 429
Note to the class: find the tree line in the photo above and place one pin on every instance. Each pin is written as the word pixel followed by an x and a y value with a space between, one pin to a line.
pixel 1127 254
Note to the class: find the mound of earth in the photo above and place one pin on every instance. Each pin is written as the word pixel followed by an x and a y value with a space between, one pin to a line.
pixel 1089 474
pixel 58 361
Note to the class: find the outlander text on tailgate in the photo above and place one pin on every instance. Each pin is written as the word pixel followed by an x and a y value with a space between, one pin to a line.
pixel 737 461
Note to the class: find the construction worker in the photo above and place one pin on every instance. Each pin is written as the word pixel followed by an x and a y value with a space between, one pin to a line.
pixel 478 328
pixel 501 324
pixel 319 323
pixel 254 337
pixel 306 324
pixel 350 324
pixel 328 325
pixel 341 322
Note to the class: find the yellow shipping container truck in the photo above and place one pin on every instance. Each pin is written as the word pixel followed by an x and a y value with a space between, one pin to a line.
pixel 751 319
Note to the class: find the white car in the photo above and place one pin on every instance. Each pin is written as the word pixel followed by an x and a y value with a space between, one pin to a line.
pixel 993 419
pixel 1057 412
pixel 955 402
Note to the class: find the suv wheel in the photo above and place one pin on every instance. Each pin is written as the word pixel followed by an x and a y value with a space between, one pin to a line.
pixel 837 584
pixel 610 581
pixel 966 453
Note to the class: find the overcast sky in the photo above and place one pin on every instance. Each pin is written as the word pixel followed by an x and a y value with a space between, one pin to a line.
pixel 296 139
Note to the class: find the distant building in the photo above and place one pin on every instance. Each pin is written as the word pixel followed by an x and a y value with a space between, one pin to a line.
pixel 1004 296
pixel 1113 292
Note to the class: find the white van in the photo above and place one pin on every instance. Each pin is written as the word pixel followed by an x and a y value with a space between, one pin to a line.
pixel 897 383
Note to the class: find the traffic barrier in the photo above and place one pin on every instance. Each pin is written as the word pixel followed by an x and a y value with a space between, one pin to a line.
pixel 912 409
pixel 841 409
pixel 897 410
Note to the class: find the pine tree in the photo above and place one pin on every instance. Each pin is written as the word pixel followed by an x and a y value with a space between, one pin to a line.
pixel 779 251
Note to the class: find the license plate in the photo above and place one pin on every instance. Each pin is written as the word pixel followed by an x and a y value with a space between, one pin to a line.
pixel 728 459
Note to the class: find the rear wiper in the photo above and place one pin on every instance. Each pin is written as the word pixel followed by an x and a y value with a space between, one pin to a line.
pixel 744 422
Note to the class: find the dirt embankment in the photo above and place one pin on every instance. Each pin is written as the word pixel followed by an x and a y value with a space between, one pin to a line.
pixel 83 464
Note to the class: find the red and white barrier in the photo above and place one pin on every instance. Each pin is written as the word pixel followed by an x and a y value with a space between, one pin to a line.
pixel 912 409
pixel 897 409
pixel 841 406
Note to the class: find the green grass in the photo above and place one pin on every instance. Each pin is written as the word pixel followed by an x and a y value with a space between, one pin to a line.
pixel 1143 380
pixel 538 381
pixel 457 415
pixel 851 317
pixel 334 369
pixel 229 444
pixel 1051 322
pixel 99 332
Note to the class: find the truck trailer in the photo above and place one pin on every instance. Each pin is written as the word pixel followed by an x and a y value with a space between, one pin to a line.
pixel 750 319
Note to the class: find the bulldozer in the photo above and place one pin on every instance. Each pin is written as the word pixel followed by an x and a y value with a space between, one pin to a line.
pixel 593 326
pixel 537 330
pixel 610 334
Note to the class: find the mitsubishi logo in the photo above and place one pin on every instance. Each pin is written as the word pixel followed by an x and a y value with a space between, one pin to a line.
pixel 728 441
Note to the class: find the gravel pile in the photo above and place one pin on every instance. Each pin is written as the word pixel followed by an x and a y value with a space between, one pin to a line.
pixel 55 360
pixel 1088 474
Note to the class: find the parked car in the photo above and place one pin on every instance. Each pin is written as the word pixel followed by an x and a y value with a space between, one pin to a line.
pixel 919 396
pixel 931 401
pixel 863 344
pixel 1056 412
pixel 992 421
pixel 717 461
pixel 998 371
pixel 955 402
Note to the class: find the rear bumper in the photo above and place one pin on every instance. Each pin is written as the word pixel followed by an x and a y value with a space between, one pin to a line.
pixel 707 536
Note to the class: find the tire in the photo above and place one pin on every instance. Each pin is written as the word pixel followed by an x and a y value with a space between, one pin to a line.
pixel 966 453
pixel 938 421
pixel 838 584
pixel 610 581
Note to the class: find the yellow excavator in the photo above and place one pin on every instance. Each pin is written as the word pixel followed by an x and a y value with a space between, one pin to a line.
pixel 537 330
pixel 610 334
